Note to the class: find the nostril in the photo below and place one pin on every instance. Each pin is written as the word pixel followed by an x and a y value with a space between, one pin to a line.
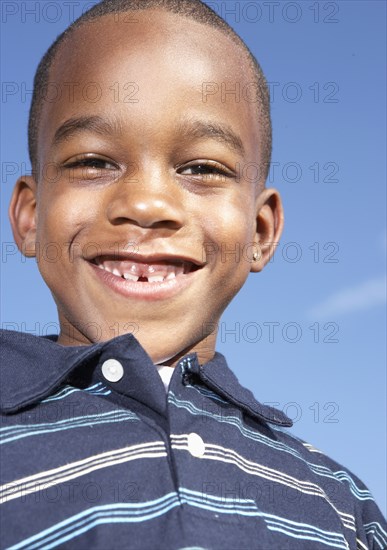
pixel 146 208
pixel 170 225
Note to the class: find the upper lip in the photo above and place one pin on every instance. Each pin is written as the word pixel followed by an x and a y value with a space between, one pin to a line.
pixel 146 258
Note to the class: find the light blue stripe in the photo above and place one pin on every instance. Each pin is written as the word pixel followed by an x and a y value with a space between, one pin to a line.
pixel 378 542
pixel 325 535
pixel 118 513
pixel 214 497
pixel 301 527
pixel 18 427
pixel 200 500
pixel 209 393
pixel 250 434
pixel 95 389
pixel 61 394
pixel 236 505
pixel 223 510
pixel 100 391
pixel 376 530
pixel 94 386
pixel 362 494
pixel 101 521
pixel 90 416
pixel 66 390
pixel 376 525
pixel 75 522
pixel 83 525
pixel 63 425
pixel 333 545
pixel 235 421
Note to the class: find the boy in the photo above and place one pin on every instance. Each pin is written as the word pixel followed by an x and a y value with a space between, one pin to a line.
pixel 136 191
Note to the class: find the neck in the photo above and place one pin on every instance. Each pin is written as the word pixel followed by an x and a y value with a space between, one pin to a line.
pixel 204 348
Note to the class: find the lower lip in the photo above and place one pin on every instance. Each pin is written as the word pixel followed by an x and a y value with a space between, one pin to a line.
pixel 143 290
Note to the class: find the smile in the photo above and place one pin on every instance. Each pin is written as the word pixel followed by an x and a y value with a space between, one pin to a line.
pixel 156 272
pixel 151 278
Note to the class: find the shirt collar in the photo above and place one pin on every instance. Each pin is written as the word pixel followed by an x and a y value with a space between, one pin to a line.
pixel 33 367
pixel 220 378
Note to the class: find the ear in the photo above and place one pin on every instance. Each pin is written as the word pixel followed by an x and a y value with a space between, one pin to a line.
pixel 22 214
pixel 270 222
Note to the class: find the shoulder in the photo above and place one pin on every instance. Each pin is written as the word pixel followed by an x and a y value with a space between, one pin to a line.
pixel 28 363
pixel 13 346
pixel 21 349
pixel 15 342
pixel 344 489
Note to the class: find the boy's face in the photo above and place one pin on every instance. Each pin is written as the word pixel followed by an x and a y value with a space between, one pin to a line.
pixel 143 173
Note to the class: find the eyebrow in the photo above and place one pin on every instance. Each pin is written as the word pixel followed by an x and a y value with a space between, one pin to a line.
pixel 188 129
pixel 76 125
pixel 220 132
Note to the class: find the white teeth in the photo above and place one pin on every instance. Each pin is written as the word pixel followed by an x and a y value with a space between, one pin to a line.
pixel 156 279
pixel 130 277
pixel 151 273
pixel 111 267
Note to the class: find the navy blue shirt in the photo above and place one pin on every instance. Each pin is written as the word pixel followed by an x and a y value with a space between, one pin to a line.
pixel 95 454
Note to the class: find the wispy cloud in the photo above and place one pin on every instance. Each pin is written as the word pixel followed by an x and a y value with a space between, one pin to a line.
pixel 365 295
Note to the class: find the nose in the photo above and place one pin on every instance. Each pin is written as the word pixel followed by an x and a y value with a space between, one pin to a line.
pixel 149 200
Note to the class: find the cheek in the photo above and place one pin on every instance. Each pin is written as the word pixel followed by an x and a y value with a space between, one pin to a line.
pixel 61 216
pixel 232 223
pixel 229 246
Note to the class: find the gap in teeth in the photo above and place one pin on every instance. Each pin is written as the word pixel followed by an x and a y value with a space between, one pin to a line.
pixel 137 272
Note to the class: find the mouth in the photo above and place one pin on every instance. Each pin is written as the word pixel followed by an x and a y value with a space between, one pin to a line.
pixel 145 272
pixel 145 277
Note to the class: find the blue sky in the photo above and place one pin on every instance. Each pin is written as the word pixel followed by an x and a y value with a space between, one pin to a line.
pixel 309 333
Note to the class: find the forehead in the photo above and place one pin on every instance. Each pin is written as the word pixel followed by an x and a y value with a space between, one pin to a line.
pixel 159 33
pixel 144 64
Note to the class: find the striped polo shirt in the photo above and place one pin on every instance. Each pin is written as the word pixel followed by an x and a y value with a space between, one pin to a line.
pixel 96 454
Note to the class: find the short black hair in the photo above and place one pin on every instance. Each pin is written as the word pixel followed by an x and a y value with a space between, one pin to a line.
pixel 192 9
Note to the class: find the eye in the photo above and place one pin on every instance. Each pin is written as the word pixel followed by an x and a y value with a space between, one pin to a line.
pixel 207 170
pixel 91 167
pixel 92 163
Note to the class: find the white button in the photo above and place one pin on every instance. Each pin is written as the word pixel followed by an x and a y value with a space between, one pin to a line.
pixel 196 445
pixel 112 370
